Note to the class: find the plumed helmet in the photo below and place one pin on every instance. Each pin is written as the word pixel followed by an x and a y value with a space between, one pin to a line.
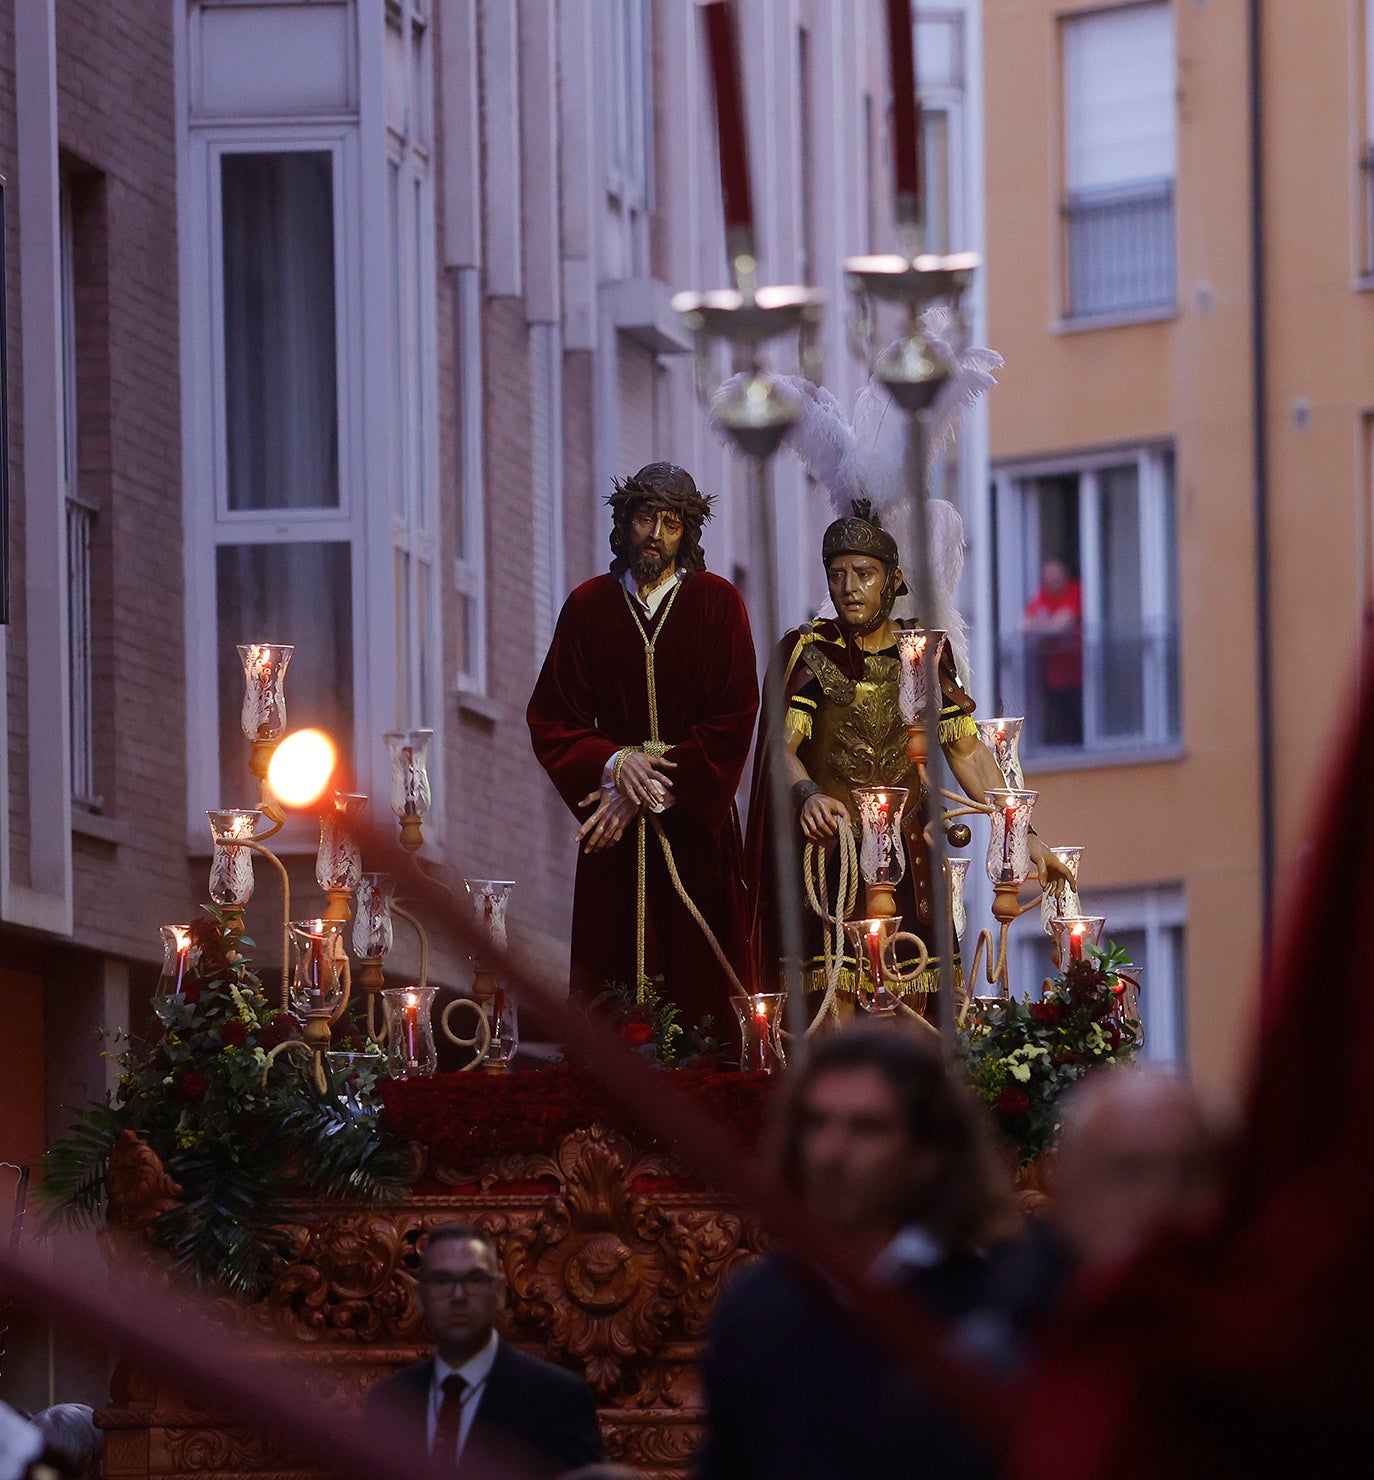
pixel 860 533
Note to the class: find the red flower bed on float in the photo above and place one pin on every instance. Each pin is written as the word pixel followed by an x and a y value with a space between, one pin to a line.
pixel 466 1121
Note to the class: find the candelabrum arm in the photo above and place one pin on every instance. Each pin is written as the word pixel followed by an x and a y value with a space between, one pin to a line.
pixel 481 1038
pixel 280 867
pixel 420 931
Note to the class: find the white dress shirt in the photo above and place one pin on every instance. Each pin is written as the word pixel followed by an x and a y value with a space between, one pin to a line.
pixel 474 1372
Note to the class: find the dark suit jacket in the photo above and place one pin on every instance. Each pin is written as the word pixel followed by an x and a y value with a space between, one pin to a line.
pixel 796 1392
pixel 528 1408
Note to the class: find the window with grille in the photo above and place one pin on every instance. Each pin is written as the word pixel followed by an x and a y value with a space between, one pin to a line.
pixel 1120 148
pixel 1087 605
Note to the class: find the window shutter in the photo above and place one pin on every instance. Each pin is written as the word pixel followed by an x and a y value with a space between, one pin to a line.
pixel 1119 105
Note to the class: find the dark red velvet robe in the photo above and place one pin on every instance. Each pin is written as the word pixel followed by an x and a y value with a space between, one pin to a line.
pixel 591 699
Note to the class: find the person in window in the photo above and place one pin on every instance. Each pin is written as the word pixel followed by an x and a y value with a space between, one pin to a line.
pixel 1053 624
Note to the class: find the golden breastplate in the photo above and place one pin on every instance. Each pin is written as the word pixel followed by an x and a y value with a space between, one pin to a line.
pixel 857 735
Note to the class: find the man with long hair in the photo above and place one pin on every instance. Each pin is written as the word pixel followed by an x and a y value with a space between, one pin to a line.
pixel 642 717
pixel 890 1150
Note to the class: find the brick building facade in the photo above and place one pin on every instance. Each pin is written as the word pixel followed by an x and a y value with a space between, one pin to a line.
pixel 330 322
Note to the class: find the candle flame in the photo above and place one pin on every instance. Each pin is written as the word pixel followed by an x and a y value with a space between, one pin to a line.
pixel 301 767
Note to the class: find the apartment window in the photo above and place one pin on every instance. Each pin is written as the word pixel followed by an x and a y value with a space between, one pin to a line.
pixel 940 59
pixel 1087 605
pixel 631 107
pixel 410 238
pixel 4 419
pixel 81 520
pixel 1367 152
pixel 470 562
pixel 1150 926
pixel 279 576
pixel 1120 131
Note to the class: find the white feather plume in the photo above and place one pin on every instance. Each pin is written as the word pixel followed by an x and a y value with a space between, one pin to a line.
pixel 865 459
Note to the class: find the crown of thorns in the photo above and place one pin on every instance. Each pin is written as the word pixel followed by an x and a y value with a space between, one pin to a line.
pixel 666 486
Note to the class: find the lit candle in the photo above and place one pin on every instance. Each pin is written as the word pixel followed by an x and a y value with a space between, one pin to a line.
pixel 874 942
pixel 1007 835
pixel 722 47
pixel 408 771
pixel 1076 942
pixel 906 113
pixel 317 969
pixel 183 953
pixel 412 1027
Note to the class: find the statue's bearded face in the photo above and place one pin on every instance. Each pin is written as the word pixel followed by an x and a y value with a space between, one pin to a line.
pixel 858 587
pixel 655 536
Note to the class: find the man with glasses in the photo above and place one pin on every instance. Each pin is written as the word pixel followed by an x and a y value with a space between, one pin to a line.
pixel 478 1395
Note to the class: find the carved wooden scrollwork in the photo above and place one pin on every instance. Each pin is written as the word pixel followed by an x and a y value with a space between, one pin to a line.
pixel 609 1280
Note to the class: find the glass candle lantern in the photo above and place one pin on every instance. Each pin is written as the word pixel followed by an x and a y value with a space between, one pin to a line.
pixel 958 875
pixel 490 899
pixel 178 956
pixel 1009 844
pixel 231 868
pixel 1073 934
pixel 410 1047
pixel 264 695
pixel 760 1027
pixel 870 940
pixel 1061 898
pixel 504 1021
pixel 317 968
pixel 882 857
pixel 373 932
pixel 920 651
pixel 339 862
pixel 1003 738
pixel 409 752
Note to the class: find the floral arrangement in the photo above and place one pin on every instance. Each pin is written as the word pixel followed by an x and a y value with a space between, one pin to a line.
pixel 243 1132
pixel 649 1023
pixel 466 1121
pixel 1023 1055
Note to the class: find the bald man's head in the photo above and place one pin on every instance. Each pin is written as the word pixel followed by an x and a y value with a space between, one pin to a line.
pixel 1139 1155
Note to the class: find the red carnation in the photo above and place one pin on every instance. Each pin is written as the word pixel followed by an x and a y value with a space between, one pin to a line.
pixel 192 1086
pixel 234 1032
pixel 636 1034
pixel 1013 1101
pixel 1050 1014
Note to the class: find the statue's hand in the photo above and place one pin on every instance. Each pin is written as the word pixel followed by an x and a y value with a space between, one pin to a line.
pixel 646 779
pixel 606 826
pixel 1051 869
pixel 821 818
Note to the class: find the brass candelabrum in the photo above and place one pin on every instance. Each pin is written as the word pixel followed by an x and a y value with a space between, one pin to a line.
pixel 756 416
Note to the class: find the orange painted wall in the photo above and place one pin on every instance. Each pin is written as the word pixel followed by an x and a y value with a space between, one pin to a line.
pixel 1193 820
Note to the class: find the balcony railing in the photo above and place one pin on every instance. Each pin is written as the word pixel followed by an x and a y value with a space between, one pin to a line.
pixel 1120 244
pixel 1112 689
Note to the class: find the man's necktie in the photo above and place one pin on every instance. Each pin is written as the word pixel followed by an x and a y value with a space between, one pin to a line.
pixel 449 1422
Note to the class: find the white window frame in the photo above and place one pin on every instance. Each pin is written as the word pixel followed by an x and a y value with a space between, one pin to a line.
pixel 470 568
pixel 419 697
pixel 359 141
pixel 947 96
pixel 81 516
pixel 1103 196
pixel 1018 577
pixel 629 163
